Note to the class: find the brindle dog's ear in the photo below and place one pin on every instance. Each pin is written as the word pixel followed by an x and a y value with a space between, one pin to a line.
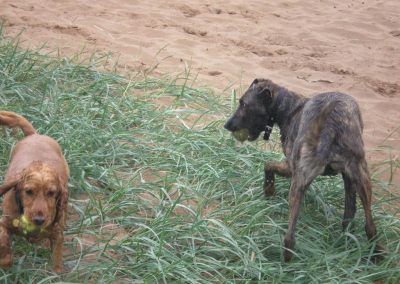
pixel 7 186
pixel 62 203
pixel 254 82
pixel 266 96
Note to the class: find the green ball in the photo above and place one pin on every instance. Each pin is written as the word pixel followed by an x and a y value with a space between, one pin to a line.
pixel 241 135
pixel 26 225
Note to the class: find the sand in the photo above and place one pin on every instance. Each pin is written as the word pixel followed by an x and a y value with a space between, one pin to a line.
pixel 308 46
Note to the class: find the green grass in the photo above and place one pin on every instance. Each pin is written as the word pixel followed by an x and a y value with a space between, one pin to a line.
pixel 161 193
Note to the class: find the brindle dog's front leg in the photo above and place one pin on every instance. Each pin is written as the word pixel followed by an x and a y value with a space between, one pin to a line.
pixel 5 247
pixel 270 169
pixel 56 245
pixel 296 195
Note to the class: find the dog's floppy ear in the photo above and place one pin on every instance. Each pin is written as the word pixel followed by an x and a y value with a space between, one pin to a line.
pixel 62 203
pixel 7 186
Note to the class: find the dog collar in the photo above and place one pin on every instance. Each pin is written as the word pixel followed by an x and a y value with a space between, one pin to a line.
pixel 273 109
pixel 268 128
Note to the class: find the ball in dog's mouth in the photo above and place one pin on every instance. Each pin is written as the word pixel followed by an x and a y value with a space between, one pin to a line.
pixel 24 223
pixel 241 135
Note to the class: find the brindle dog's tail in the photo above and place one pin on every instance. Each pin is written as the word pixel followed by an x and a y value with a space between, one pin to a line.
pixel 318 137
pixel 12 120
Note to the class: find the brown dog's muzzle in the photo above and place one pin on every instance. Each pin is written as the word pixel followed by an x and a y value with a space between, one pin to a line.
pixel 38 220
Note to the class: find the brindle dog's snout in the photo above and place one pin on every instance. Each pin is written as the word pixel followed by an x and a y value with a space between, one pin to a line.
pixel 229 125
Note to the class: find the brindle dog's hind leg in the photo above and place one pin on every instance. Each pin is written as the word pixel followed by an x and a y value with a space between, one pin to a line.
pixel 302 177
pixel 359 176
pixel 270 169
pixel 296 195
pixel 349 201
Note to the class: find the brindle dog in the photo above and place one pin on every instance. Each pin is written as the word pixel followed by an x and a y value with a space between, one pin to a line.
pixel 320 136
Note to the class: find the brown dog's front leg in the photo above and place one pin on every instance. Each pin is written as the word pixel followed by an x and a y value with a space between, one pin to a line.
pixel 5 247
pixel 280 168
pixel 56 246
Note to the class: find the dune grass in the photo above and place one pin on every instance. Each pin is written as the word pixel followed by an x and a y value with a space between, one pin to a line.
pixel 160 193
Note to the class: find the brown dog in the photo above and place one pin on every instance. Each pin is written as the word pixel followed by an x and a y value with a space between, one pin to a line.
pixel 320 136
pixel 38 175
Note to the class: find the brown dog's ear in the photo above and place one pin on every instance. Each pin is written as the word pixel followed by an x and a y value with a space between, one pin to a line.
pixel 7 186
pixel 62 203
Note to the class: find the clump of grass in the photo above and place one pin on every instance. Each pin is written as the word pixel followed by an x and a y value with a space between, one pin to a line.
pixel 161 193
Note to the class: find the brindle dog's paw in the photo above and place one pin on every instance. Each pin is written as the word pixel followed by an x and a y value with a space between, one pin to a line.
pixel 379 253
pixel 287 249
pixel 269 184
pixel 287 255
pixel 348 225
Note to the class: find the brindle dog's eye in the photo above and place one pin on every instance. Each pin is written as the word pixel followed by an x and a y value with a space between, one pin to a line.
pixel 242 103
pixel 29 192
pixel 51 194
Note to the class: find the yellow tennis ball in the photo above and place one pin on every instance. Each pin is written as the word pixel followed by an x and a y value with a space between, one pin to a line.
pixel 26 225
pixel 24 220
pixel 241 135
pixel 16 223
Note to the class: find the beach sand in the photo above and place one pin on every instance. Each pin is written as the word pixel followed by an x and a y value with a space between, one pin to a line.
pixel 308 46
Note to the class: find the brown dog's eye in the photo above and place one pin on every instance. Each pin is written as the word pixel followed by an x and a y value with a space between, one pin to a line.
pixel 51 194
pixel 29 192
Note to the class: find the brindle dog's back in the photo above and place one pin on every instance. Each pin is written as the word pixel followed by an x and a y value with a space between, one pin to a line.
pixel 333 136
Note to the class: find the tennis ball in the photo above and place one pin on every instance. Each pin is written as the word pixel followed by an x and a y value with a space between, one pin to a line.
pixel 24 223
pixel 241 135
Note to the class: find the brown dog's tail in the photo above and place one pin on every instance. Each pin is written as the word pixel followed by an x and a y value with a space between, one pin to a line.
pixel 12 120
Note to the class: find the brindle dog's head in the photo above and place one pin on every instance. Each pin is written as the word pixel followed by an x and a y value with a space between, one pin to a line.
pixel 254 110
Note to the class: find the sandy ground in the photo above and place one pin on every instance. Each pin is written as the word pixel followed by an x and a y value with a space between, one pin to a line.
pixel 309 46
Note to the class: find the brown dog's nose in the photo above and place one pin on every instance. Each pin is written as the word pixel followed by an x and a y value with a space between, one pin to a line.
pixel 38 220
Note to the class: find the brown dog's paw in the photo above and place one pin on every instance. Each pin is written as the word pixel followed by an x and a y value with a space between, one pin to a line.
pixel 58 269
pixel 6 258
pixel 269 184
pixel 6 261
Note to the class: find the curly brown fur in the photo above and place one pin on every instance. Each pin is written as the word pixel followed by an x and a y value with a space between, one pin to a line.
pixel 320 136
pixel 35 186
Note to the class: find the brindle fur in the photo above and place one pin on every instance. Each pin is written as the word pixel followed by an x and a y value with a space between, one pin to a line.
pixel 320 136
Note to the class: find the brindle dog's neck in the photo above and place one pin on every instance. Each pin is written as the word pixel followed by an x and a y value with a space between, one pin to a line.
pixel 287 105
